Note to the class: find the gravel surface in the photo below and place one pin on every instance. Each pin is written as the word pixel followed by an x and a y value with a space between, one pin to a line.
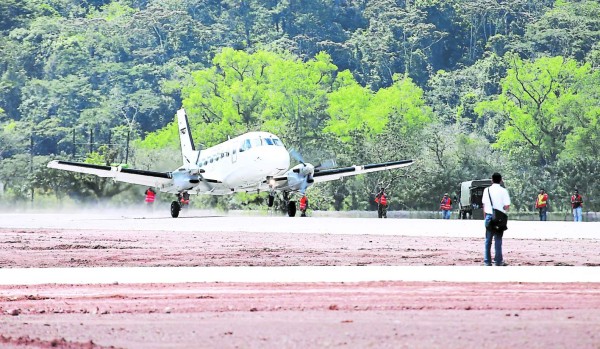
pixel 84 248
pixel 292 315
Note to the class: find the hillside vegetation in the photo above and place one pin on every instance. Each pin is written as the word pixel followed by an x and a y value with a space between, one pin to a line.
pixel 465 87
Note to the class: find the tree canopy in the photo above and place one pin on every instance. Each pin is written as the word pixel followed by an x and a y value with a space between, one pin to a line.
pixel 464 87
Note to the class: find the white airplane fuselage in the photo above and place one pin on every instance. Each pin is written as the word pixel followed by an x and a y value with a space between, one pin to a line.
pixel 241 163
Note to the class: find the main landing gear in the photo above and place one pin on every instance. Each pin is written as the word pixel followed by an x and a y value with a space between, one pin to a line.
pixel 183 201
pixel 291 208
pixel 290 205
pixel 175 208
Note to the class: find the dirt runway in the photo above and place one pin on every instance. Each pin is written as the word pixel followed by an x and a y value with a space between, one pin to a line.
pixel 292 315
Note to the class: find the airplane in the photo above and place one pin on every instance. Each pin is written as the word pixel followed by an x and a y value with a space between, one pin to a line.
pixel 252 162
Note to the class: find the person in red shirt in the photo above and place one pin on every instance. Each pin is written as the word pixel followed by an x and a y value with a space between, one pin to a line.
pixel 184 199
pixel 303 205
pixel 446 206
pixel 541 204
pixel 576 203
pixel 150 197
pixel 381 200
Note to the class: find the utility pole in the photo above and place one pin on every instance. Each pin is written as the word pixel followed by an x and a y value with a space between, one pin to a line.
pixel 127 147
pixel 31 165
pixel 91 140
pixel 73 144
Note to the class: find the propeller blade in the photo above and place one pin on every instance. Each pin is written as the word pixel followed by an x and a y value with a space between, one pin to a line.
pixel 296 155
pixel 326 164
pixel 304 185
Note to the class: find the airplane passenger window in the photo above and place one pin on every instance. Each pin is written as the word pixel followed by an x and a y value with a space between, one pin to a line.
pixel 211 160
pixel 234 151
pixel 205 162
pixel 268 141
pixel 222 155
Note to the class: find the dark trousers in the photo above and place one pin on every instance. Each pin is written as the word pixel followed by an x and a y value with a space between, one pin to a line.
pixel 382 211
pixel 497 237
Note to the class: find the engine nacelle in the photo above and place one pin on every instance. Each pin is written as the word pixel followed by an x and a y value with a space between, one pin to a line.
pixel 184 180
pixel 300 177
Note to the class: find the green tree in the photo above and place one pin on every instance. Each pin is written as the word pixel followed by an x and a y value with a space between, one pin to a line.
pixel 570 29
pixel 539 103
pixel 378 126
pixel 453 95
pixel 352 106
pixel 397 39
pixel 263 90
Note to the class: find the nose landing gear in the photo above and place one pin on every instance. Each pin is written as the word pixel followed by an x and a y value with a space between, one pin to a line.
pixel 290 206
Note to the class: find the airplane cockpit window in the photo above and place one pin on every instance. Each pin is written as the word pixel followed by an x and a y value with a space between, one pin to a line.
pixel 277 142
pixel 256 142
pixel 269 141
pixel 246 145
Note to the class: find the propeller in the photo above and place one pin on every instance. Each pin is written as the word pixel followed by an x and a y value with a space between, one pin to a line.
pixel 301 175
pixel 296 155
pixel 325 164
pixel 189 176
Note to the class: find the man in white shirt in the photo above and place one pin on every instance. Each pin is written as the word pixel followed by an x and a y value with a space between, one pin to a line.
pixel 500 200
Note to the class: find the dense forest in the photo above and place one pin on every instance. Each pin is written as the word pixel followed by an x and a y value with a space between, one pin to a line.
pixel 465 87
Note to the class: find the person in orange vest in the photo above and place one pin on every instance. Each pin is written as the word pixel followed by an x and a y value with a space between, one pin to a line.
pixel 184 199
pixel 446 206
pixel 303 205
pixel 576 203
pixel 150 196
pixel 541 204
pixel 381 200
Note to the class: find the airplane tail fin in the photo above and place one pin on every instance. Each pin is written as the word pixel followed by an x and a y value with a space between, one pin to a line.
pixel 188 150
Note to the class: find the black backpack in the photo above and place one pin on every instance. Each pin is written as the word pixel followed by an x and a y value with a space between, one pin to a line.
pixel 499 221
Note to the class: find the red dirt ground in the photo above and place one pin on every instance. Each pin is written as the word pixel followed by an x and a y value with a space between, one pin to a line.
pixel 310 315
pixel 27 248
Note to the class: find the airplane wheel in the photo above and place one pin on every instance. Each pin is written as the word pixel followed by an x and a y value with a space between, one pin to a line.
pixel 292 209
pixel 175 208
pixel 270 201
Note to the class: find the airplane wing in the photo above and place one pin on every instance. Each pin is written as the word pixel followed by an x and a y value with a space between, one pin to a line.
pixel 337 173
pixel 298 179
pixel 141 177
pixel 168 182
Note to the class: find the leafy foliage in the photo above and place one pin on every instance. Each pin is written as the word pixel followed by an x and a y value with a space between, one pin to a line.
pixel 464 87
